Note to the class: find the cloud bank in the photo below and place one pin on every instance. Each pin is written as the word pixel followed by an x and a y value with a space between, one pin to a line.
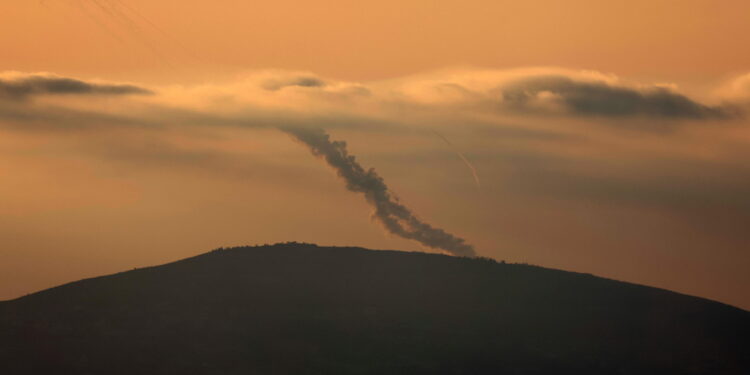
pixel 545 126
pixel 737 90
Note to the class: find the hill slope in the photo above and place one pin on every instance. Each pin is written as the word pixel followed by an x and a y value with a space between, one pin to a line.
pixel 298 309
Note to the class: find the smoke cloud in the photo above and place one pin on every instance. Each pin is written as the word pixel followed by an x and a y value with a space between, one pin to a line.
pixel 395 217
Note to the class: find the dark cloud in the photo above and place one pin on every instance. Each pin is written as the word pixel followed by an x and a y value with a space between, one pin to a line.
pixel 26 86
pixel 602 99
pixel 30 118
pixel 395 217
pixel 301 81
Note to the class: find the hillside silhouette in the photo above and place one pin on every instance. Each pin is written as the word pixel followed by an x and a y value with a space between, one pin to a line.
pixel 303 309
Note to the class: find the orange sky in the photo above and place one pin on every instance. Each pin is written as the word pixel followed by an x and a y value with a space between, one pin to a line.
pixel 103 184
pixel 681 40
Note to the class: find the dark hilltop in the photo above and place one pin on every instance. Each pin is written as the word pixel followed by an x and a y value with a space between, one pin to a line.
pixel 302 309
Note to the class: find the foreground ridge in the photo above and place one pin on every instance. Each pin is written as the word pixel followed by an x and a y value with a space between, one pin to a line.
pixel 297 308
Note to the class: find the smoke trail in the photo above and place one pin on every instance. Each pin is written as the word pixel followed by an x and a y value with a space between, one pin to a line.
pixel 395 217
pixel 463 158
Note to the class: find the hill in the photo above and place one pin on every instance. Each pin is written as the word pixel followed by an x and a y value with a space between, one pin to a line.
pixel 302 309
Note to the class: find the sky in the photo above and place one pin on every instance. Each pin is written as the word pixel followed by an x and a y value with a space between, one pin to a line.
pixel 600 137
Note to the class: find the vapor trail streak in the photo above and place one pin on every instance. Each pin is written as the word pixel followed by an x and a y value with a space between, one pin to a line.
pixel 463 158
pixel 395 217
pixel 100 23
pixel 128 24
pixel 154 26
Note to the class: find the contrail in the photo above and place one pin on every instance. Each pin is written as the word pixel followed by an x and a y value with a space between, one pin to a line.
pixel 92 16
pixel 114 21
pixel 156 27
pixel 117 16
pixel 108 9
pixel 129 16
pixel 463 157
pixel 395 217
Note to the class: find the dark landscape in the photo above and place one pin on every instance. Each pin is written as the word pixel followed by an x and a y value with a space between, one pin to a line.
pixel 302 309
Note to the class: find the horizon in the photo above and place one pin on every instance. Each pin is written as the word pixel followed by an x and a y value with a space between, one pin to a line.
pixel 296 244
